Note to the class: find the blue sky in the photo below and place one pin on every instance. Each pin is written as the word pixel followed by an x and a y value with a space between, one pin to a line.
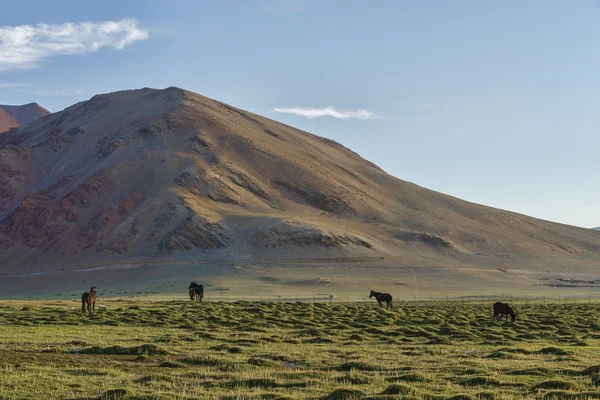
pixel 495 102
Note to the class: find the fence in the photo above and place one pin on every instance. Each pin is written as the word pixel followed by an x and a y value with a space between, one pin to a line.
pixel 343 298
pixel 347 298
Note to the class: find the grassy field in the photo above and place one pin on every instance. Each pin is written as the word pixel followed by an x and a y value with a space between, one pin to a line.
pixel 270 350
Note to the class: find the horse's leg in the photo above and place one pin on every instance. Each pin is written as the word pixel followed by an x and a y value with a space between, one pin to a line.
pixel 94 309
pixel 380 305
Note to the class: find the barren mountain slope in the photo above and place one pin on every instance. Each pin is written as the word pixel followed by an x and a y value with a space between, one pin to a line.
pixel 15 116
pixel 145 175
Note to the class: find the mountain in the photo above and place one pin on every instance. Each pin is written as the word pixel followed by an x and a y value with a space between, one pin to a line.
pixel 15 116
pixel 169 177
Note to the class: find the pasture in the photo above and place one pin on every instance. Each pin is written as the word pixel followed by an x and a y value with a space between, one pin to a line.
pixel 270 350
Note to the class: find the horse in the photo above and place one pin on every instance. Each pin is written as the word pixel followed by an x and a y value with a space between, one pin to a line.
pixel 501 309
pixel 89 299
pixel 192 294
pixel 198 291
pixel 381 297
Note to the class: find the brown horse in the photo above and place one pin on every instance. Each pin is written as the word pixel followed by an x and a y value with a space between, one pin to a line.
pixel 382 297
pixel 89 299
pixel 192 294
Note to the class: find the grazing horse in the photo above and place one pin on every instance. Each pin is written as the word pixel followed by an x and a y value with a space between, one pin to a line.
pixel 89 299
pixel 501 309
pixel 198 291
pixel 381 297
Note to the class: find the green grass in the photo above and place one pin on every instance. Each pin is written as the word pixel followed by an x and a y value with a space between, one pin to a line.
pixel 254 350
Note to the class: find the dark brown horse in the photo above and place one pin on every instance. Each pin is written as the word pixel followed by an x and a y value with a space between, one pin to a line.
pixel 381 297
pixel 198 291
pixel 503 309
pixel 88 300
pixel 192 294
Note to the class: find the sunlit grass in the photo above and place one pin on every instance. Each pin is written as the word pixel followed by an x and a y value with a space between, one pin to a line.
pixel 254 350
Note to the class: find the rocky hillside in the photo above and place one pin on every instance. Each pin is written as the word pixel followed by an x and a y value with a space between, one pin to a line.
pixel 145 175
pixel 15 116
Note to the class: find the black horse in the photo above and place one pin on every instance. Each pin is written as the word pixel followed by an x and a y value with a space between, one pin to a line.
pixel 503 309
pixel 381 297
pixel 198 289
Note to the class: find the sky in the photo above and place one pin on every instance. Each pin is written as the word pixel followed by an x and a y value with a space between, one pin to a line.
pixel 495 102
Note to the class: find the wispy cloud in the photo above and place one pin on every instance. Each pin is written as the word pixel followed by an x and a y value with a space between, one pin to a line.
pixel 26 46
pixel 327 112
pixel 9 85
pixel 57 92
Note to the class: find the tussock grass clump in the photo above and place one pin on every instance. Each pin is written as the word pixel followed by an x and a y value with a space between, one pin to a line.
pixel 462 396
pixel 254 383
pixel 481 381
pixel 400 388
pixel 502 355
pixel 594 369
pixel 537 371
pixel 555 384
pixel 146 379
pixel 261 362
pixel 344 394
pixel 554 350
pixel 149 349
pixel 413 377
pixel 172 364
pixel 359 366
pixel 562 395
pixel 355 379
pixel 115 394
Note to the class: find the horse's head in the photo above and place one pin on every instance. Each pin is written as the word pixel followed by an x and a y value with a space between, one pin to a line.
pixel 513 316
pixel 372 294
pixel 93 289
pixel 192 285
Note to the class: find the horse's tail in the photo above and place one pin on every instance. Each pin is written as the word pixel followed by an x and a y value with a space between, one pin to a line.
pixel 83 302
pixel 201 292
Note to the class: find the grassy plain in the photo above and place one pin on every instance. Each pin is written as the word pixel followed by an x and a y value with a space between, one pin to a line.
pixel 271 350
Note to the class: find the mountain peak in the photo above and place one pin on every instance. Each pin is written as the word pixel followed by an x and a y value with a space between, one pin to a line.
pixel 15 116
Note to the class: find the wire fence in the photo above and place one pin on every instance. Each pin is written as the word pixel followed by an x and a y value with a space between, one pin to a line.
pixel 212 296
pixel 225 296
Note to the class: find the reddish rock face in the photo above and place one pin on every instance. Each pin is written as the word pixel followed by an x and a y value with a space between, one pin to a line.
pixel 15 116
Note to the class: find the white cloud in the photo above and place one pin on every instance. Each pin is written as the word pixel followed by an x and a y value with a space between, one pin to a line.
pixel 9 85
pixel 25 46
pixel 327 112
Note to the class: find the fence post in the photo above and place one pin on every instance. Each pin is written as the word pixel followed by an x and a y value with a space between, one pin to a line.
pixel 559 298
pixel 590 298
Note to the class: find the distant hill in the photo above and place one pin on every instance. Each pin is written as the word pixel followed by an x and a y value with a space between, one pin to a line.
pixel 596 228
pixel 15 116
pixel 168 175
